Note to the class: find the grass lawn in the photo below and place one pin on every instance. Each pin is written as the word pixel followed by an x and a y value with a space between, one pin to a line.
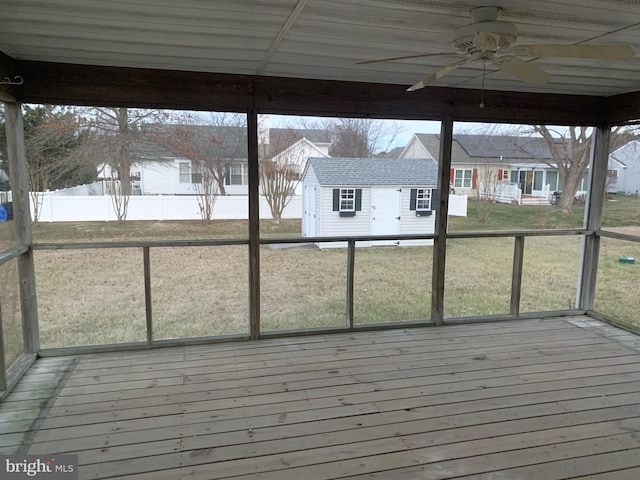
pixel 97 296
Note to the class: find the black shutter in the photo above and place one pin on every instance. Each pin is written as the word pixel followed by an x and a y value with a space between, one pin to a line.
pixel 434 199
pixel 412 201
pixel 336 199
pixel 358 199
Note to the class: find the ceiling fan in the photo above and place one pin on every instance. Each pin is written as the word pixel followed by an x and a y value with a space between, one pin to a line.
pixel 490 39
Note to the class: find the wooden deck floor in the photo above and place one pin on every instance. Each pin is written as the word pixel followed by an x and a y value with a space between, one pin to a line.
pixel 535 399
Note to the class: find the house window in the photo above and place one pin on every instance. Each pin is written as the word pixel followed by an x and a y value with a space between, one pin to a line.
pixel 347 200
pixel 423 199
pixel 237 174
pixel 185 172
pixel 537 180
pixel 462 178
pixel 552 180
pixel 187 175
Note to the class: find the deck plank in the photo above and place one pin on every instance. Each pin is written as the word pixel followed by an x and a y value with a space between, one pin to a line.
pixel 542 398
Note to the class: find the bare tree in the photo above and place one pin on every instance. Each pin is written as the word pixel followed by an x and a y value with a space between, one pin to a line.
pixel 361 137
pixel 54 141
pixel 212 144
pixel 488 192
pixel 117 133
pixel 280 170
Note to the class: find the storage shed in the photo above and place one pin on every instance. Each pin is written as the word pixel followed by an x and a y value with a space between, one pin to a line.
pixel 369 196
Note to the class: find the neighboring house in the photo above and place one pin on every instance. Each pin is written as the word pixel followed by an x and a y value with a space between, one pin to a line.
pixel 369 196
pixel 297 155
pixel 484 166
pixel 624 169
pixel 160 169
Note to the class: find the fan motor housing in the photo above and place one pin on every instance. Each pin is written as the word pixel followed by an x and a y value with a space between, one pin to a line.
pixel 493 35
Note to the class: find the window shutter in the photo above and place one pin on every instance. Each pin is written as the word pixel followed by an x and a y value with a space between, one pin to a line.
pixel 227 177
pixel 474 178
pixel 434 199
pixel 358 199
pixel 412 201
pixel 500 174
pixel 336 199
pixel 453 175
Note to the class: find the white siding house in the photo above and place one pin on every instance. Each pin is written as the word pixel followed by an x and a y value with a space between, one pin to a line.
pixel 369 196
pixel 624 169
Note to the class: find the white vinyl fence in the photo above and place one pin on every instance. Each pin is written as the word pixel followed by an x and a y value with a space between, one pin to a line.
pixel 85 208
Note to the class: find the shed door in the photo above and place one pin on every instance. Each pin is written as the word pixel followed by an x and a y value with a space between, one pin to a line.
pixel 385 213
pixel 309 214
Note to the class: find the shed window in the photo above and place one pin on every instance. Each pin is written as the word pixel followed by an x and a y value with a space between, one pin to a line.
pixel 347 200
pixel 423 199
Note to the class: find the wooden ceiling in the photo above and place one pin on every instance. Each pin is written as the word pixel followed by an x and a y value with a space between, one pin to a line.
pixel 259 49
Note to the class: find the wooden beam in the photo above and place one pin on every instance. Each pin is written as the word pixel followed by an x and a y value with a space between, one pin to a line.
pixel 254 225
pixel 3 349
pixel 593 218
pixel 22 221
pixel 440 241
pixel 72 84
pixel 351 267
pixel 622 109
pixel 7 71
pixel 148 303
pixel 516 276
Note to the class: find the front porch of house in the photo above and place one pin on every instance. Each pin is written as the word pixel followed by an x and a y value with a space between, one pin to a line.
pixel 540 398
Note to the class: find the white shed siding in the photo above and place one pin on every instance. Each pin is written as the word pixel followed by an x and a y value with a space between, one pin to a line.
pixel 318 211
pixel 332 224
pixel 411 224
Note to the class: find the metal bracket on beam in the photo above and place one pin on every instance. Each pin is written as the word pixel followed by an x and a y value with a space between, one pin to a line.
pixel 17 80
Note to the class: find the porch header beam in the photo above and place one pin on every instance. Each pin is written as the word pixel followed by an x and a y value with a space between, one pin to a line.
pixel 7 70
pixel 72 84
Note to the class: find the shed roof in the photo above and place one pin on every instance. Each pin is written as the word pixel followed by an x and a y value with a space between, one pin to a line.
pixel 374 171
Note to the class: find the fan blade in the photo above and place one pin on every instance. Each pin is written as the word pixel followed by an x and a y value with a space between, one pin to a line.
pixel 404 57
pixel 599 52
pixel 526 72
pixel 435 76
